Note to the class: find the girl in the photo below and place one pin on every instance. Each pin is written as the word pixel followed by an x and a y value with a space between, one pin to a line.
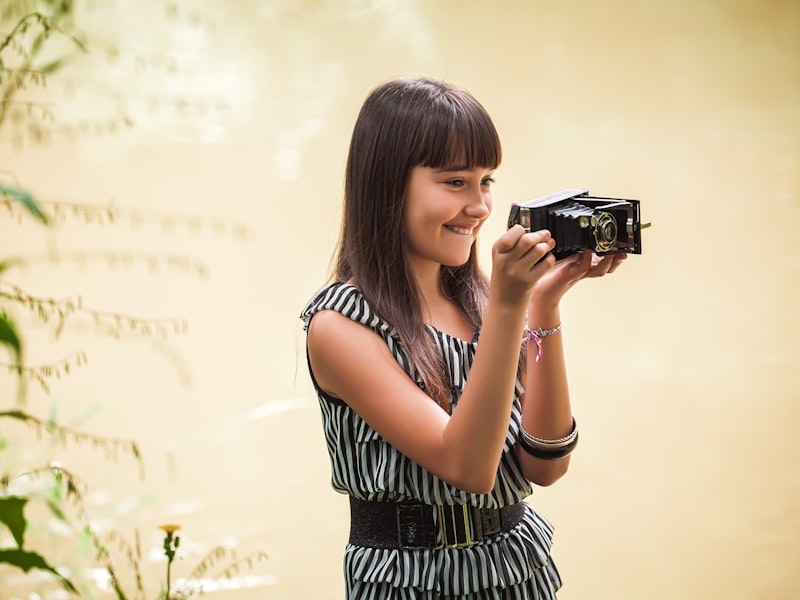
pixel 436 421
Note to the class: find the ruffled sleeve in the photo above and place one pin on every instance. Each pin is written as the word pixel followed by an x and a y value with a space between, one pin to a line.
pixel 347 300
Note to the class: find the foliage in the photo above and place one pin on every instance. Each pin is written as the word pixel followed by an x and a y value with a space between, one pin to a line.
pixel 26 41
pixel 39 44
pixel 214 557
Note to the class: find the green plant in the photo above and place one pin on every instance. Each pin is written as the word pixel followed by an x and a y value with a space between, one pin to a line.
pixel 39 44
pixel 13 504
pixel 217 556
pixel 20 69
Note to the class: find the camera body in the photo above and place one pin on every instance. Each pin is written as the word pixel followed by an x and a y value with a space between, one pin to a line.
pixel 579 221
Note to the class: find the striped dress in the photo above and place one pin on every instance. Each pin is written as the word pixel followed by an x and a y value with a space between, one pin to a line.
pixel 510 565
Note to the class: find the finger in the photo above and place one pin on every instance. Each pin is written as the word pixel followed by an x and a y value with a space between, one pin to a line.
pixel 584 264
pixel 521 242
pixel 544 262
pixel 536 244
pixel 600 267
pixel 574 268
pixel 587 258
pixel 581 262
pixel 533 238
pixel 618 260
pixel 517 237
pixel 511 236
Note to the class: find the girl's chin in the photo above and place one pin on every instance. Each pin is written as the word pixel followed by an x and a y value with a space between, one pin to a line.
pixel 456 262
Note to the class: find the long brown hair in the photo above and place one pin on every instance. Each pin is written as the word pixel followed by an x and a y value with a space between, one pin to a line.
pixel 403 124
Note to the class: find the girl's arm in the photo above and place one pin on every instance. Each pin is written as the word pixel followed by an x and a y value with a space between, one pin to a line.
pixel 546 408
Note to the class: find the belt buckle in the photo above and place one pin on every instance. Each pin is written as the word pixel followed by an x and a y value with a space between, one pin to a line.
pixel 457 526
pixel 411 529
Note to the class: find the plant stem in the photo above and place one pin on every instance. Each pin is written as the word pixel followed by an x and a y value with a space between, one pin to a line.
pixel 169 568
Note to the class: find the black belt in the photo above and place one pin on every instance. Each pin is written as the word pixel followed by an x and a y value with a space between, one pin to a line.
pixel 411 524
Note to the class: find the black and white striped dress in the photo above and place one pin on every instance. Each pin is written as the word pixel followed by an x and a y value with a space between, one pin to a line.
pixel 511 565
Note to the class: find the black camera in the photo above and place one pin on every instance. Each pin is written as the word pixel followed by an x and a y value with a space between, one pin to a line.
pixel 579 221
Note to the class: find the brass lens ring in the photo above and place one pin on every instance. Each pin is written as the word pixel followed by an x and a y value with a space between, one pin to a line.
pixel 605 233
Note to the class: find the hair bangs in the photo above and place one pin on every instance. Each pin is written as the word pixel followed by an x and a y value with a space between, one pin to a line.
pixel 459 133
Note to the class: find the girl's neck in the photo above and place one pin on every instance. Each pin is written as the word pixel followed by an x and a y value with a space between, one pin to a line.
pixel 438 310
pixel 428 278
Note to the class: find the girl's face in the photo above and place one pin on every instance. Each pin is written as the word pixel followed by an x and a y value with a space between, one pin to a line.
pixel 445 208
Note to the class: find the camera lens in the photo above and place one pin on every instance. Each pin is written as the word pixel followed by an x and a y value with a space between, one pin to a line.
pixel 605 232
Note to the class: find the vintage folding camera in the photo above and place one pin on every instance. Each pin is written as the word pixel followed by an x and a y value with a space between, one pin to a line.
pixel 579 221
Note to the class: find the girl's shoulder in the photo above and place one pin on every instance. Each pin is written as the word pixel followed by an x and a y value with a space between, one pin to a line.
pixel 346 299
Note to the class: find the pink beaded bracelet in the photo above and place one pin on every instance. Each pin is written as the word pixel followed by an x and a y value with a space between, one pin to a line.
pixel 536 335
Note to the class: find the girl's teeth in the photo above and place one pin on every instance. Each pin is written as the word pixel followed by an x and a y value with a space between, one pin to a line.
pixel 461 230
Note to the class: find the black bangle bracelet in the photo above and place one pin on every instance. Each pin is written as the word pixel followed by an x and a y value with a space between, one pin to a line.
pixel 548 454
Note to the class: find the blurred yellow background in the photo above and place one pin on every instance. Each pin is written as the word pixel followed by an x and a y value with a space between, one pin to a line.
pixel 685 368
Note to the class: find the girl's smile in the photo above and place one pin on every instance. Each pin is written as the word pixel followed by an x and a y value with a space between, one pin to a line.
pixel 460 230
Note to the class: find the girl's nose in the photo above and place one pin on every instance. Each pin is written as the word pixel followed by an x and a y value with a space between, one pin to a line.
pixel 479 205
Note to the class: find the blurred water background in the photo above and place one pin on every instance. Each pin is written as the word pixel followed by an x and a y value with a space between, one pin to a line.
pixel 218 130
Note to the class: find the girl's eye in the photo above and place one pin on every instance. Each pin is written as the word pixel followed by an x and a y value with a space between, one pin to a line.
pixel 459 182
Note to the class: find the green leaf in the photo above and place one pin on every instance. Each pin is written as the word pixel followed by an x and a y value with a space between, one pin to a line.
pixel 118 590
pixel 11 513
pixel 16 414
pixel 25 199
pixel 52 67
pixel 9 337
pixel 9 263
pixel 56 510
pixel 31 560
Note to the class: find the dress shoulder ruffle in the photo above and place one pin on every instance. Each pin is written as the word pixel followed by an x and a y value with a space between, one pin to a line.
pixel 349 301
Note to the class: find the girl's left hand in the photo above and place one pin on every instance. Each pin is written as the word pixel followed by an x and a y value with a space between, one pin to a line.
pixel 567 272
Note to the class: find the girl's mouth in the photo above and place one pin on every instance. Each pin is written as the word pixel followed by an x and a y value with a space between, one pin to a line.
pixel 460 230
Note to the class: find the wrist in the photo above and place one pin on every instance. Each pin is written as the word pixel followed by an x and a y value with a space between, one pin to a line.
pixel 536 336
pixel 508 305
pixel 544 316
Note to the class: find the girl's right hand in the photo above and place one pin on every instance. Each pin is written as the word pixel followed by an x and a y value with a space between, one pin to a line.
pixel 519 259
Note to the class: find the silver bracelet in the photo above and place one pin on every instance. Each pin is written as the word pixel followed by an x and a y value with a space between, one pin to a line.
pixel 543 444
